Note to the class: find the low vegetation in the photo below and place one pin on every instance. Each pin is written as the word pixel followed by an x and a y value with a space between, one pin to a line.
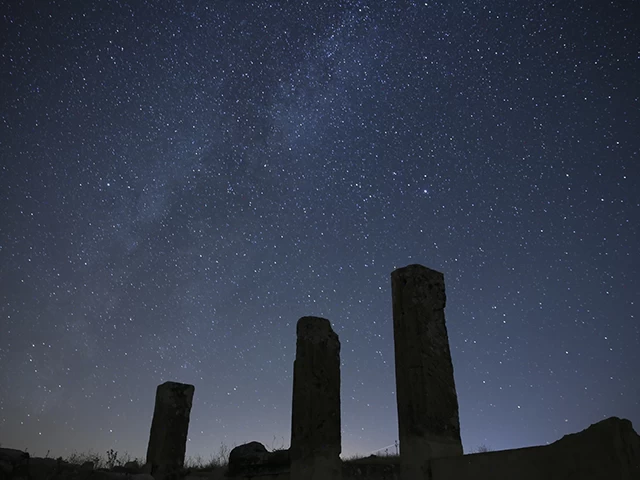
pixel 214 462
pixel 108 461
pixel 112 459
pixel 385 457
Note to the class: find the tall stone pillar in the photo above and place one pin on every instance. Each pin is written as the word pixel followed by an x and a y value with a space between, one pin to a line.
pixel 315 421
pixel 428 420
pixel 170 425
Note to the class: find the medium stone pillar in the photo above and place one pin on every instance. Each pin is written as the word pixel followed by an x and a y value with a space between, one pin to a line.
pixel 428 420
pixel 170 425
pixel 315 420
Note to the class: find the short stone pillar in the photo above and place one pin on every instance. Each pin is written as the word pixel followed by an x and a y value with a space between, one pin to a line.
pixel 315 421
pixel 169 428
pixel 428 421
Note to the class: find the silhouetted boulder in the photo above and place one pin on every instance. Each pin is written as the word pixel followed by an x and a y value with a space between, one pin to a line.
pixel 253 459
pixel 14 464
pixel 244 457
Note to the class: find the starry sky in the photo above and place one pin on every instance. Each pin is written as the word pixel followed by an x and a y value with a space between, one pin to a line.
pixel 180 181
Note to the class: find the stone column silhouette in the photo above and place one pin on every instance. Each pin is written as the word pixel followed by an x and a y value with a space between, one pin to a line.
pixel 315 420
pixel 170 425
pixel 428 420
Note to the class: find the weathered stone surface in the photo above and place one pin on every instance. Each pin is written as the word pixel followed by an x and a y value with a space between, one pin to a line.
pixel 315 420
pixel 170 425
pixel 607 450
pixel 245 457
pixel 279 459
pixel 13 456
pixel 427 402
pixel 14 464
pixel 254 459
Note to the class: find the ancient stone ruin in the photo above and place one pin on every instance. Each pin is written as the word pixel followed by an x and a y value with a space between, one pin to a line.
pixel 607 450
pixel 169 427
pixel 315 417
pixel 429 428
pixel 425 389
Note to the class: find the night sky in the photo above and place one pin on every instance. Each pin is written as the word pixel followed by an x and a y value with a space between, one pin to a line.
pixel 180 181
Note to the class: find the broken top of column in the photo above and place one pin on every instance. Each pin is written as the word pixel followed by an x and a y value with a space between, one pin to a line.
pixel 316 330
pixel 428 280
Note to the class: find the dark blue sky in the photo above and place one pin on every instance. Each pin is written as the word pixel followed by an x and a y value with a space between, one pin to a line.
pixel 180 181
